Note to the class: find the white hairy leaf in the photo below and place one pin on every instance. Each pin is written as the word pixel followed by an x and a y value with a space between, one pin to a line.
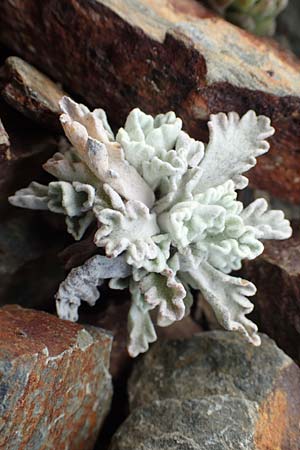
pixel 267 224
pixel 233 146
pixel 68 167
pixel 104 158
pixel 70 199
pixel 189 149
pixel 132 229
pixel 144 136
pixel 94 122
pixel 78 225
pixel 165 292
pixel 228 298
pixel 82 284
pixel 75 200
pixel 141 331
pixel 162 165
pixel 35 196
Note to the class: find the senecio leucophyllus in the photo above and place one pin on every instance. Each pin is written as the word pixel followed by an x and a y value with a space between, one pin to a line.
pixel 258 16
pixel 167 214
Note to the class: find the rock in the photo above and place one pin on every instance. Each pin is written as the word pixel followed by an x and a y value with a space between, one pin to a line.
pixel 196 424
pixel 29 148
pixel 288 25
pixel 27 262
pixel 161 56
pixel 55 386
pixel 31 92
pixel 211 363
pixel 111 314
pixel 183 329
pixel 276 274
pixel 4 53
pixel 213 391
pixel 4 142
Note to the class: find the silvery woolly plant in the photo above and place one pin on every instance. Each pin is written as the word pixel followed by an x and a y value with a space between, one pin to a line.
pixel 167 214
pixel 257 16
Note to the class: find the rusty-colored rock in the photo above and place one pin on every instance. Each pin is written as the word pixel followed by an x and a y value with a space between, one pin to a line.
pixel 162 55
pixel 54 384
pixel 276 273
pixel 213 389
pixel 31 92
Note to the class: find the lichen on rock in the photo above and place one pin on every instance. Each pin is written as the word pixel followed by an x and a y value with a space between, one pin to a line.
pixel 167 214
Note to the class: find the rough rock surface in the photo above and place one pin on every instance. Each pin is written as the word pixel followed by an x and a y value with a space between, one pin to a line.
pixel 55 389
pixel 162 55
pixel 29 148
pixel 27 262
pixel 110 313
pixel 276 273
pixel 4 141
pixel 214 389
pixel 197 424
pixel 31 92
pixel 288 26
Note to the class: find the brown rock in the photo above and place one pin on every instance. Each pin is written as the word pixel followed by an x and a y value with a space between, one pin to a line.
pixel 276 274
pixel 55 387
pixel 31 92
pixel 214 390
pixel 161 56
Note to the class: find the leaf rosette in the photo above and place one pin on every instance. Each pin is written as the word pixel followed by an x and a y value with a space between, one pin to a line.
pixel 166 211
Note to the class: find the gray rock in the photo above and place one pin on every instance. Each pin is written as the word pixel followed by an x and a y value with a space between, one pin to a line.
pixel 211 363
pixel 28 262
pixel 215 392
pixel 214 423
pixel 288 26
pixel 276 274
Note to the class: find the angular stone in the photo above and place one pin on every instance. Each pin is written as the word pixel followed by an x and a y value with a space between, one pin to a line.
pixel 288 26
pixel 217 367
pixel 195 424
pixel 183 329
pixel 55 386
pixel 161 56
pixel 4 141
pixel 29 148
pixel 211 363
pixel 27 262
pixel 31 92
pixel 276 274
pixel 111 314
